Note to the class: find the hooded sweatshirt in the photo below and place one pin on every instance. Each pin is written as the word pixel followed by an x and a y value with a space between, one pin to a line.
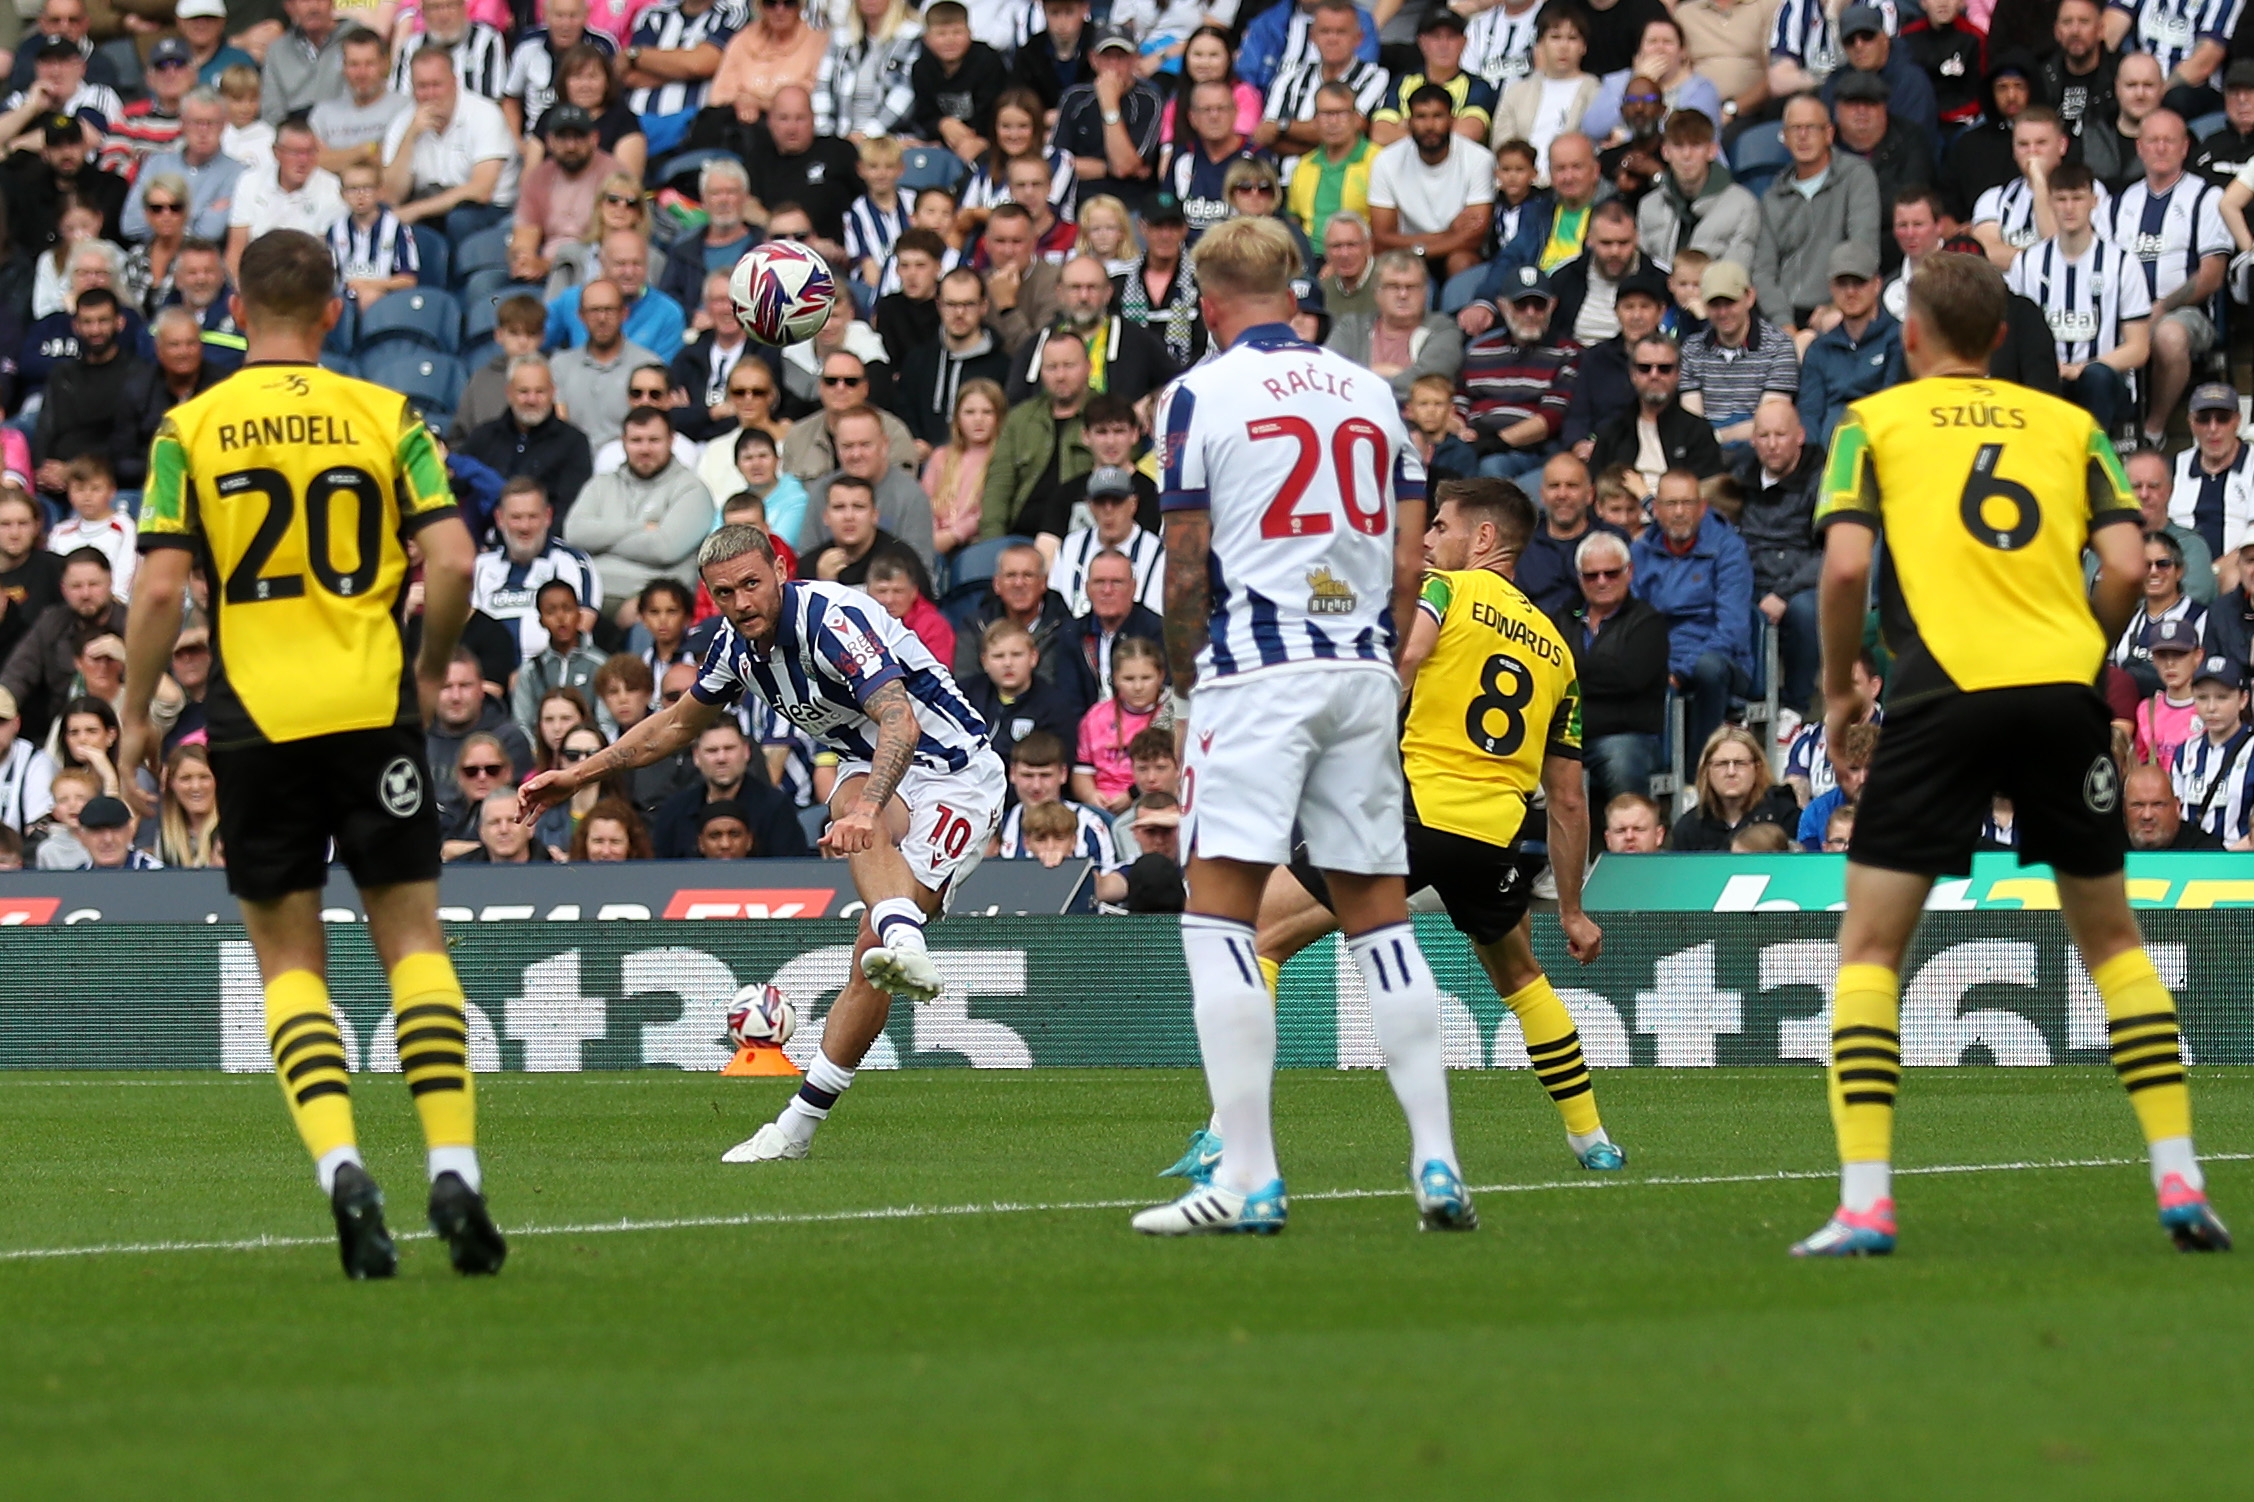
pixel 1724 220
pixel 1980 159
pixel 637 530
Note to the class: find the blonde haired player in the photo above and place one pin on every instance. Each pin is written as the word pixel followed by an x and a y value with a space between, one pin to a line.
pixel 298 489
pixel 1294 500
pixel 1493 713
pixel 1987 493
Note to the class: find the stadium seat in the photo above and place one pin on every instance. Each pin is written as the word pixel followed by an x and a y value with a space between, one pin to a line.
pixel 1759 156
pixel 431 380
pixel 931 167
pixel 679 171
pixel 426 316
pixel 476 353
pixel 487 250
pixel 341 364
pixel 814 820
pixel 436 256
pixel 976 563
pixel 2206 125
pixel 342 338
pixel 481 287
pixel 479 314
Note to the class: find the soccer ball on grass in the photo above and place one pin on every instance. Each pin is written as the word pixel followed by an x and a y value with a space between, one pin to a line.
pixel 783 292
pixel 761 1014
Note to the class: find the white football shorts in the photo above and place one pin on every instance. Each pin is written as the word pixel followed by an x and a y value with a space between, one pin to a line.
pixel 951 816
pixel 1317 748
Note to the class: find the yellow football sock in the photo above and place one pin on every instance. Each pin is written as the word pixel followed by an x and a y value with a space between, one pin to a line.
pixel 1866 1061
pixel 1272 971
pixel 1554 1044
pixel 434 1054
pixel 2140 1024
pixel 309 1059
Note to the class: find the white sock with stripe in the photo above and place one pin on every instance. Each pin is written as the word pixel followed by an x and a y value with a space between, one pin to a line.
pixel 897 922
pixel 1236 1033
pixel 1405 1006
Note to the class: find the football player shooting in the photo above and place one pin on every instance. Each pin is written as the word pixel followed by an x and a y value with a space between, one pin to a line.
pixel 1987 494
pixel 314 724
pixel 919 791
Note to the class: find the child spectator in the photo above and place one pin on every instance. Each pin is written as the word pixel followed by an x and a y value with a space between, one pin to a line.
pixel 2214 773
pixel 1953 54
pixel 955 474
pixel 1619 492
pixel 747 508
pixel 957 82
pixel 560 712
pixel 1104 775
pixel 625 685
pixel 1158 779
pixel 1431 411
pixel 247 138
pixel 1514 188
pixel 1013 700
pixel 907 313
pixel 1851 766
pixel 1037 775
pixel 96 522
pixel 566 663
pixel 666 607
pixel 881 214
pixel 2170 716
pixel 1839 829
pixel 1633 825
pixel 1688 316
pixel 520 325
pixel 54 842
pixel 896 582
pixel 1049 831
pixel 374 252
pixel 1761 839
pixel 935 211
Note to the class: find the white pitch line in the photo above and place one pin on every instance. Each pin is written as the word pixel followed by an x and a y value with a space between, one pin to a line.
pixel 1006 1207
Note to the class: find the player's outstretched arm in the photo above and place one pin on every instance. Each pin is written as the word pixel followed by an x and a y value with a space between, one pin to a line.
pixel 1189 594
pixel 897 733
pixel 659 736
pixel 449 555
pixel 1569 854
pixel 159 585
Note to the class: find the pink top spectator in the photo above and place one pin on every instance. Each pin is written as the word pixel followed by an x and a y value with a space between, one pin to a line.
pixel 1105 732
pixel 2162 726
pixel 1250 104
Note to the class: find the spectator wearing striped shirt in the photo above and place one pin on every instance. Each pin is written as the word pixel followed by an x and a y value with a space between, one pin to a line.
pixel 2011 216
pixel 669 65
pixel 1113 533
pixel 1499 42
pixel 479 52
pixel 2164 600
pixel 1516 382
pixel 1198 168
pixel 2214 488
pixel 2172 221
pixel 2214 772
pixel 2188 39
pixel 1287 125
pixel 152 124
pixel 2094 297
pixel 1281 38
pixel 1038 769
pixel 535 72
pixel 862 87
pixel 375 253
pixel 1805 46
pixel 876 220
pixel 1740 358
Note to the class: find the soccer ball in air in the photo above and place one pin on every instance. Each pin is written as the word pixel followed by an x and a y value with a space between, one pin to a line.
pixel 783 292
pixel 761 1013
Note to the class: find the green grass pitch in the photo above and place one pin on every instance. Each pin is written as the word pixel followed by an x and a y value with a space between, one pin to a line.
pixel 1630 1337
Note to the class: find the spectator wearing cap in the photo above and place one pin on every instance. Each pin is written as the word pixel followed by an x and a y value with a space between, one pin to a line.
pixel 2169 715
pixel 1111 498
pixel 723 763
pixel 38 186
pixel 1695 204
pixel 1899 154
pixel 1867 48
pixel 67 21
pixel 1606 389
pixel 1441 39
pixel 1738 358
pixel 724 831
pixel 2230 145
pixel 1660 433
pixel 556 200
pixel 105 828
pixel 1158 291
pixel 2155 818
pixel 1516 381
pixel 60 86
pixel 1429 192
pixel 211 175
pixel 1859 355
pixel 2214 771
pixel 1823 198
pixel 2214 490
pixel 1111 127
pixel 203 27
pixel 2164 600
pixel 1402 341
pixel 152 123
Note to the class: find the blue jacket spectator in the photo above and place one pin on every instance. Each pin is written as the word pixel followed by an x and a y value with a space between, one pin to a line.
pixel 655 322
pixel 1842 366
pixel 1278 36
pixel 1693 569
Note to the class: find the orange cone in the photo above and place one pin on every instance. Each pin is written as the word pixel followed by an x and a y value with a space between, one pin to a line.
pixel 761 1059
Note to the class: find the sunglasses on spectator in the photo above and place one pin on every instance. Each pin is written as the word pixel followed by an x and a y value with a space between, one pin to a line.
pixel 569 755
pixel 1599 575
pixel 1654 367
pixel 155 207
pixel 1642 99
pixel 792 235
pixel 483 769
pixel 843 380
pixel 751 391
pixel 621 200
pixel 2214 417
pixel 186 647
pixel 168 64
pixel 1262 188
pixel 2153 563
pixel 644 394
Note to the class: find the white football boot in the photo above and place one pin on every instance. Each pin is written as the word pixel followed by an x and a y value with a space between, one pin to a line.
pixel 770 1144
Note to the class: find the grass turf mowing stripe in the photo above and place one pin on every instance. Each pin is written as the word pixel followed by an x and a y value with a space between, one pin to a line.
pixel 1004 1207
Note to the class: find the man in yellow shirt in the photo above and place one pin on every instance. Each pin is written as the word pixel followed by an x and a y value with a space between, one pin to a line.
pixel 1335 176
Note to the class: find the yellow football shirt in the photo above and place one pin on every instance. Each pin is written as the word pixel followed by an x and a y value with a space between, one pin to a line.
pixel 1984 493
pixel 298 487
pixel 1498 695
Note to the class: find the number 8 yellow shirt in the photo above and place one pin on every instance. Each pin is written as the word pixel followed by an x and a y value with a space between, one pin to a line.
pixel 1497 696
pixel 1985 493
pixel 298 488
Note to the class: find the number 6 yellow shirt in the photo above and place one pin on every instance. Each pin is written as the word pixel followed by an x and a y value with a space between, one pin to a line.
pixel 1984 492
pixel 1498 695
pixel 298 488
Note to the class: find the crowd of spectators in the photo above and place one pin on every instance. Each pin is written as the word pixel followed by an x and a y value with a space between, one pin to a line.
pixel 1636 256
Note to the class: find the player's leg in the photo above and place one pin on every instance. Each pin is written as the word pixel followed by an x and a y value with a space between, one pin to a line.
pixel 1553 1043
pixel 898 903
pixel 430 1016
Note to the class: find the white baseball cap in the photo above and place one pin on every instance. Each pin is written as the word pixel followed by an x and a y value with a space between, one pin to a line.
pixel 188 10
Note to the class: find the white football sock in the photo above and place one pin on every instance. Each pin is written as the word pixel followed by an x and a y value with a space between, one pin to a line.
pixel 897 922
pixel 1236 1033
pixel 461 1160
pixel 1863 1185
pixel 1581 1142
pixel 2174 1155
pixel 336 1158
pixel 1405 1007
pixel 817 1096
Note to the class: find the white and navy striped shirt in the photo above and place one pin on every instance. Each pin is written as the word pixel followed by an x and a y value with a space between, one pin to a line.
pixel 1146 556
pixel 1804 32
pixel 2220 507
pixel 2218 777
pixel 2131 648
pixel 383 249
pixel 26 777
pixel 531 79
pixel 1299 457
pixel 861 87
pixel 509 591
pixel 2171 30
pixel 481 61
pixel 2085 298
pixel 2170 233
pixel 1499 46
pixel 664 29
pixel 2011 208
pixel 1291 97
pixel 871 231
pixel 1093 840
pixel 983 191
pixel 834 647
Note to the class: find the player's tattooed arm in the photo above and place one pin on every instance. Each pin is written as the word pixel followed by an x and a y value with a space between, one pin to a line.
pixel 897 734
pixel 1189 594
pixel 657 737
